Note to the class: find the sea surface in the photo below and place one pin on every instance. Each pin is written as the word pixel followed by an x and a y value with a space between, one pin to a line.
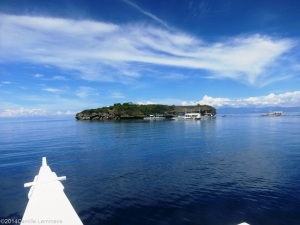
pixel 218 171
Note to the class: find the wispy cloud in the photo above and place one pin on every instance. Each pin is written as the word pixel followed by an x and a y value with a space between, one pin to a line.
pixel 59 78
pixel 174 76
pixel 146 13
pixel 99 51
pixel 84 92
pixel 6 82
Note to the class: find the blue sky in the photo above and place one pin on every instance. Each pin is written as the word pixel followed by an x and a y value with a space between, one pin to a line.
pixel 64 56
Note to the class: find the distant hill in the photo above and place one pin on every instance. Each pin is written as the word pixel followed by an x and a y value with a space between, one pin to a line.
pixel 130 110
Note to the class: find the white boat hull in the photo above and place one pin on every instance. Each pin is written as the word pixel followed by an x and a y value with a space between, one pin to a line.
pixel 48 203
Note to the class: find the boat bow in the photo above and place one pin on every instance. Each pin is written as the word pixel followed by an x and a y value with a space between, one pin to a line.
pixel 48 203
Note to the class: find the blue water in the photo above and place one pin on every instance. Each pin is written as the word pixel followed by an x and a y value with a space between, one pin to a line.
pixel 224 170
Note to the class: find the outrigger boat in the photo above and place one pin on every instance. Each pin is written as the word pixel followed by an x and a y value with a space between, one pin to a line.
pixel 48 203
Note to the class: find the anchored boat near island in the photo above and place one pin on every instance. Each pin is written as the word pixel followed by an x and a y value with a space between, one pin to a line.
pixel 188 116
pixel 154 117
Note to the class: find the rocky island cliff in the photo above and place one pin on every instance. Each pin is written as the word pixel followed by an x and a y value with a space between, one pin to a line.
pixel 135 111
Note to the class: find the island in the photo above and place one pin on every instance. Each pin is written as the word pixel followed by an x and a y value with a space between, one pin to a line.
pixel 130 110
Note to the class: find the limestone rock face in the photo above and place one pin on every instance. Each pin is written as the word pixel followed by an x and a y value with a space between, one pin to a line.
pixel 97 116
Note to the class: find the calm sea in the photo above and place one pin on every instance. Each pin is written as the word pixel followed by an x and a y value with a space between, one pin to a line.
pixel 219 171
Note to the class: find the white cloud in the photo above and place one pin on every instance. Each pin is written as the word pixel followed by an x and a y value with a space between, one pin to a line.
pixel 216 102
pixel 146 103
pixel 53 90
pixel 288 99
pixel 166 101
pixel 109 52
pixel 207 100
pixel 66 113
pixel 22 112
pixel 38 75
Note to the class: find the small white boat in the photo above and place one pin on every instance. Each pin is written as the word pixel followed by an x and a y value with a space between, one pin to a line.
pixel 189 116
pixel 48 203
pixel 152 117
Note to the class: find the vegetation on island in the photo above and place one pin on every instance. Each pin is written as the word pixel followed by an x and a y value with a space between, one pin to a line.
pixel 130 110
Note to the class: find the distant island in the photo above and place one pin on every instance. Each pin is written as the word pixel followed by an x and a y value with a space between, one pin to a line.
pixel 130 110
